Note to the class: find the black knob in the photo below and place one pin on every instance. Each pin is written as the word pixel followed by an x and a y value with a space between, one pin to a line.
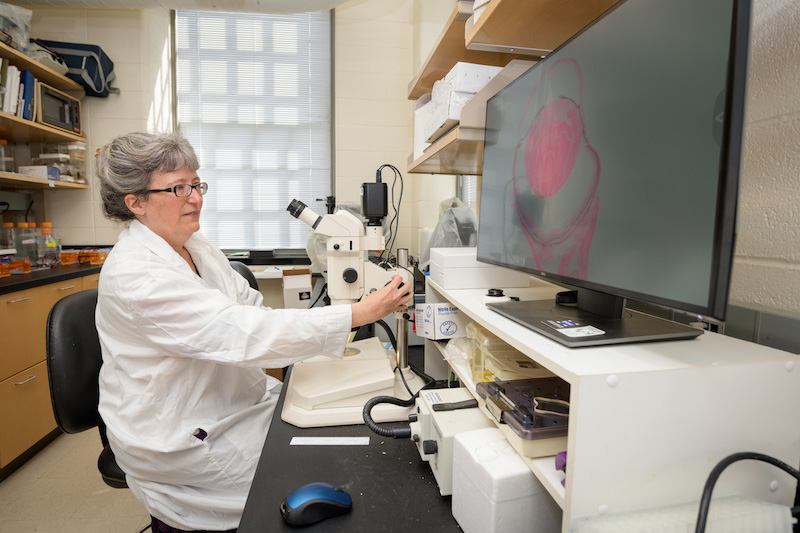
pixel 350 275
pixel 412 417
pixel 429 447
pixel 335 246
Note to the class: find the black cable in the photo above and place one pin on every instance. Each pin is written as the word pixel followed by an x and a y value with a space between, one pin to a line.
pixel 388 331
pixel 322 291
pixel 705 500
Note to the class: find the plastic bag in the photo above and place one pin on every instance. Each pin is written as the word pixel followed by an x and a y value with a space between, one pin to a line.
pixel 457 227
pixel 15 26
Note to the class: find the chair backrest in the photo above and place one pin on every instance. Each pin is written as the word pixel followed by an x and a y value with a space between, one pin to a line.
pixel 73 362
pixel 246 273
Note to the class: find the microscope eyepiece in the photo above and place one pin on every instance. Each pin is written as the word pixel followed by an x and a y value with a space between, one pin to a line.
pixel 296 207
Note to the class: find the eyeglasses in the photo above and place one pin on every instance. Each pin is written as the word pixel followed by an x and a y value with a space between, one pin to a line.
pixel 182 190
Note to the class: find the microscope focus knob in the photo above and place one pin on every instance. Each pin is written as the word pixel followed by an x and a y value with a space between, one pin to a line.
pixel 429 447
pixel 350 275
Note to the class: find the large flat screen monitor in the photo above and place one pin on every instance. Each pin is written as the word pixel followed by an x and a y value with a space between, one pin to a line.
pixel 612 166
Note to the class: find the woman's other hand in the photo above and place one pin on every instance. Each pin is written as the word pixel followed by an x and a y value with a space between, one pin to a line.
pixel 381 302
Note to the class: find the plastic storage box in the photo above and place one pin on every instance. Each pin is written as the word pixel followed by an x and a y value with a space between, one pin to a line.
pixel 536 410
pixel 493 359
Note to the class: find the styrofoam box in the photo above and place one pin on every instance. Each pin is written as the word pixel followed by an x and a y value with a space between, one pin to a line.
pixel 458 268
pixel 470 77
pixel 439 321
pixel 422 114
pixel 447 105
pixel 495 491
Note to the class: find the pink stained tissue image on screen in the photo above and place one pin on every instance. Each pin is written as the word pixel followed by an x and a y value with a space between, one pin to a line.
pixel 556 175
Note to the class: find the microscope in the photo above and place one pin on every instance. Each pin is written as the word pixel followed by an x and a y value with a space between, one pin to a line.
pixel 326 392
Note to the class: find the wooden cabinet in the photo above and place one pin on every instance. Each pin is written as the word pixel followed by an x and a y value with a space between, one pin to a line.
pixel 16 129
pixel 507 30
pixel 649 421
pixel 25 412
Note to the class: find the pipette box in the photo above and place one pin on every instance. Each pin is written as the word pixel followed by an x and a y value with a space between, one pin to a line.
pixel 494 491
pixel 535 409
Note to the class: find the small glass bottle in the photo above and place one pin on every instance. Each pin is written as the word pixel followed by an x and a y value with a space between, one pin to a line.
pixel 7 236
pixel 25 242
pixel 49 247
pixel 6 156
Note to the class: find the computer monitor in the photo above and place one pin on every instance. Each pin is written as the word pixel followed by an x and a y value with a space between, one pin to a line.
pixel 612 166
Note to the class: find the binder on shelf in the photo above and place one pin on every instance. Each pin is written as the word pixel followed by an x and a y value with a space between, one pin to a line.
pixel 26 84
pixel 11 94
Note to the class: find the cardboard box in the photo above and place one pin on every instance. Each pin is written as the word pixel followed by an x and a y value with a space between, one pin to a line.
pixel 439 321
pixel 459 268
pixel 297 288
pixel 41 172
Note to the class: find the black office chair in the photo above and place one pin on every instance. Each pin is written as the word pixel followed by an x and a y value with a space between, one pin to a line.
pixel 246 273
pixel 73 368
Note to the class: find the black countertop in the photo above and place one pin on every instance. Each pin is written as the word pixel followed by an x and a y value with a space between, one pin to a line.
pixel 393 490
pixel 18 282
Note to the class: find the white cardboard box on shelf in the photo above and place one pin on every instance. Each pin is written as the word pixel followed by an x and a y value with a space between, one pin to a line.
pixel 296 288
pixel 459 268
pixel 470 77
pixel 437 321
pixel 41 171
pixel 494 491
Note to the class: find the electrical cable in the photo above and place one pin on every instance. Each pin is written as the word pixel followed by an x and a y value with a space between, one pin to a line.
pixel 705 500
pixel 396 217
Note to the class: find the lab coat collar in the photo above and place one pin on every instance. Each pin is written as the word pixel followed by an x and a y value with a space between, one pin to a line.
pixel 156 244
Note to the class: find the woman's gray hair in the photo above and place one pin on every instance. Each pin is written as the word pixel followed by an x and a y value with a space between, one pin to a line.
pixel 126 166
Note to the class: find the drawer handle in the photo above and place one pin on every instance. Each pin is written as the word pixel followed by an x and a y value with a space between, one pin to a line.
pixel 66 288
pixel 31 378
pixel 17 300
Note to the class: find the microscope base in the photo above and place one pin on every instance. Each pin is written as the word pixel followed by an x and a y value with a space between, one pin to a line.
pixel 323 392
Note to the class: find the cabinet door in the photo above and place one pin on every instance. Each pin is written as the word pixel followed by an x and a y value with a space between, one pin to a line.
pixel 26 414
pixel 23 320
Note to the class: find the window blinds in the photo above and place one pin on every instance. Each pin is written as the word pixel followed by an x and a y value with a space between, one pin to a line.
pixel 254 99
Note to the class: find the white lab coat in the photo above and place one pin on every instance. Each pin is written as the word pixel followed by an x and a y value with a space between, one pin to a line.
pixel 183 352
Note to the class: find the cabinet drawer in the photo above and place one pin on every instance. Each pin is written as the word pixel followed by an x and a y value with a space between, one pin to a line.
pixel 91 281
pixel 23 319
pixel 26 414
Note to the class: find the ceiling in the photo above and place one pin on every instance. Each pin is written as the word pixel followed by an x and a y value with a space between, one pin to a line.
pixel 246 6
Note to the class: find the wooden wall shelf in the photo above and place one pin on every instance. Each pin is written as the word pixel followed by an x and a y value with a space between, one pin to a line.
pixel 10 179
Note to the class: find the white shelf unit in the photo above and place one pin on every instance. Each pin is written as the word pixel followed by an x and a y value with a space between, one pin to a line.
pixel 649 421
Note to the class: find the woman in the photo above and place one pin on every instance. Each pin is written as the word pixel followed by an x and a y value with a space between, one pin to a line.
pixel 184 339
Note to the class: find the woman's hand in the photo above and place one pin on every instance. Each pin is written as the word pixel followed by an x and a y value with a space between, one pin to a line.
pixel 381 302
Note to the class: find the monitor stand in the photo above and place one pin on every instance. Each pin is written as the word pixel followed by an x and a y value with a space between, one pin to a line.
pixel 597 319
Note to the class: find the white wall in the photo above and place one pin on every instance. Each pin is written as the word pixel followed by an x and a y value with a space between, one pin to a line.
pixel 766 273
pixel 137 41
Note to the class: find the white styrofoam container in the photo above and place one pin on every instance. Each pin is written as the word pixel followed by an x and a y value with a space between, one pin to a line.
pixel 423 111
pixel 470 77
pixel 458 268
pixel 439 321
pixel 447 105
pixel 494 491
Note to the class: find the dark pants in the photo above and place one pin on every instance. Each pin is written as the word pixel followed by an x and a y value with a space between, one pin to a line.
pixel 160 527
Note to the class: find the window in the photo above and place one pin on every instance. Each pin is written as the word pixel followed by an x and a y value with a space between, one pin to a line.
pixel 254 99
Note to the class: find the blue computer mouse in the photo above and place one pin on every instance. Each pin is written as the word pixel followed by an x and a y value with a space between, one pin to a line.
pixel 314 502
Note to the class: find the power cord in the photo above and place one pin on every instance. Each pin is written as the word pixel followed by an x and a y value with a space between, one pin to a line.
pixel 705 500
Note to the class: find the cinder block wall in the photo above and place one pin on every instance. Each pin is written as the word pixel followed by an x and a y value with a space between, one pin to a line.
pixel 766 274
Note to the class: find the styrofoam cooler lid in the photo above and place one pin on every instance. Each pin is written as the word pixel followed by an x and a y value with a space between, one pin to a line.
pixel 490 461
